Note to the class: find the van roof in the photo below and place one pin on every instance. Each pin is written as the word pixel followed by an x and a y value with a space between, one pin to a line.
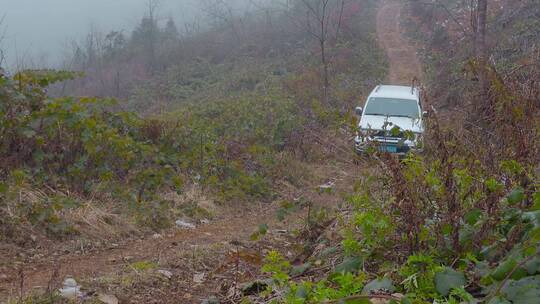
pixel 395 91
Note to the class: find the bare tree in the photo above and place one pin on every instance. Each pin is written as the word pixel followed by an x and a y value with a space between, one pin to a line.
pixel 319 25
pixel 480 46
pixel 152 6
pixel 2 37
pixel 220 13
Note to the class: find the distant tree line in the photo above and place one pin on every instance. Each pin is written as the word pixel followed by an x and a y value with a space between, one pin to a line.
pixel 114 63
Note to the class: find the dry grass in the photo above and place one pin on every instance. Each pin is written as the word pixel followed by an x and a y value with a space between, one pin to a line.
pixel 98 221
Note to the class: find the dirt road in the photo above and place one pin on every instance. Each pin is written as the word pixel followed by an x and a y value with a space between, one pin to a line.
pixel 402 57
pixel 221 251
pixel 115 259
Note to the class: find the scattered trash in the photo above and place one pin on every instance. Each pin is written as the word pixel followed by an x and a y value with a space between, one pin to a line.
pixel 198 277
pixel 156 236
pixel 107 299
pixel 326 188
pixel 165 273
pixel 184 225
pixel 205 221
pixel 71 290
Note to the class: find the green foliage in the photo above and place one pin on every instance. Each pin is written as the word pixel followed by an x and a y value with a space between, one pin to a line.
pixel 377 284
pixel 419 277
pixel 349 265
pixel 143 266
pixel 277 266
pixel 81 145
pixel 526 290
pixel 449 279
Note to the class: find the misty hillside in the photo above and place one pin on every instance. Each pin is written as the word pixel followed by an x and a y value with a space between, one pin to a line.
pixel 270 151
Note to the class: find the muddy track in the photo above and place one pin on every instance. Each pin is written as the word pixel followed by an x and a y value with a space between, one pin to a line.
pixel 402 58
pixel 213 243
pixel 37 275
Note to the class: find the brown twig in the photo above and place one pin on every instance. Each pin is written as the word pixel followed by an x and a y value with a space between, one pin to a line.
pixel 21 284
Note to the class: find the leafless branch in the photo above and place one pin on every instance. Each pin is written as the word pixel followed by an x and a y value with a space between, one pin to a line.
pixel 2 37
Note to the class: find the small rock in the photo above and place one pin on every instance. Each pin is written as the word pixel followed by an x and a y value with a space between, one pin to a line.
pixel 156 236
pixel 184 225
pixel 165 273
pixel 205 221
pixel 71 290
pixel 108 299
pixel 70 282
pixel 198 277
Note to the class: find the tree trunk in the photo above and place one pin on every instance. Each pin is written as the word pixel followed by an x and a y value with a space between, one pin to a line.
pixel 481 51
pixel 324 61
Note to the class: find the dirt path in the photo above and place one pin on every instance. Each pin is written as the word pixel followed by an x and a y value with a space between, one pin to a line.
pixel 402 57
pixel 212 249
pixel 39 274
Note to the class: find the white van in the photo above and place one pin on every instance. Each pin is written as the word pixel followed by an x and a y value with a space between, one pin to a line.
pixel 391 121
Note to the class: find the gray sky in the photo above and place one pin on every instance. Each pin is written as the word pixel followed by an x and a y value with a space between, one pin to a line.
pixel 40 29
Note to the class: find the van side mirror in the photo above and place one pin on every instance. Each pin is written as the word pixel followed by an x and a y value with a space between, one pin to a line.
pixel 425 114
pixel 358 111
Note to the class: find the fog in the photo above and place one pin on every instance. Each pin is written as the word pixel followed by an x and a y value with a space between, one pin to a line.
pixel 38 32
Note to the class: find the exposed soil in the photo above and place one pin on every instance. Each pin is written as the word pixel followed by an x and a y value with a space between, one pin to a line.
pixel 402 57
pixel 50 269
pixel 221 250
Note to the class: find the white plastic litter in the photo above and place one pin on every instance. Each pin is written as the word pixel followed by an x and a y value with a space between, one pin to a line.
pixel 165 273
pixel 328 187
pixel 184 225
pixel 71 290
